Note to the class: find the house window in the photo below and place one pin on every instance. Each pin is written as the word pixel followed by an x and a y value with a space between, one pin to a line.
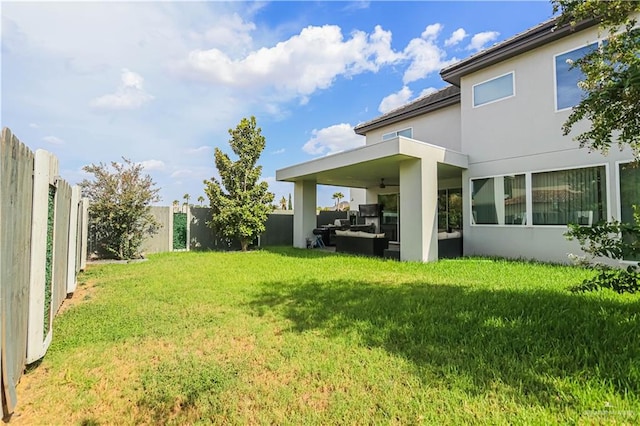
pixel 515 200
pixel 390 224
pixel 568 93
pixel 499 200
pixel 493 90
pixel 449 210
pixel 407 133
pixel 483 201
pixel 629 196
pixel 569 196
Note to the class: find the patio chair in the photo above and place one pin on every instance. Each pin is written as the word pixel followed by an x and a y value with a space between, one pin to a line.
pixel 318 243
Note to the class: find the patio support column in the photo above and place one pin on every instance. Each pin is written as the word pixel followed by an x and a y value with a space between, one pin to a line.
pixel 304 212
pixel 419 210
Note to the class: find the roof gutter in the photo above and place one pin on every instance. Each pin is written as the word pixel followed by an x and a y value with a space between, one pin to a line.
pixel 362 129
pixel 537 36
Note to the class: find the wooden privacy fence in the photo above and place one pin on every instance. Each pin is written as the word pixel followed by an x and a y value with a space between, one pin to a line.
pixel 43 235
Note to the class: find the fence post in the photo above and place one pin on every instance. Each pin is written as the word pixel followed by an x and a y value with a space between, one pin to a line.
pixel 188 230
pixel 73 239
pixel 84 239
pixel 43 178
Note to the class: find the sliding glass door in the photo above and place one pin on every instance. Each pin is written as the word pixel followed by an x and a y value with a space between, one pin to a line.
pixel 390 223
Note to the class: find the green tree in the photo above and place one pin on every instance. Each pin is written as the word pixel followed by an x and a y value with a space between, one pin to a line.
pixel 611 105
pixel 200 199
pixel 614 240
pixel 611 82
pixel 283 203
pixel 120 206
pixel 337 196
pixel 186 197
pixel 290 205
pixel 240 203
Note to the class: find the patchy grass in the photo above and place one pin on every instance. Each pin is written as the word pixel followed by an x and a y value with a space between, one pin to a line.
pixel 291 336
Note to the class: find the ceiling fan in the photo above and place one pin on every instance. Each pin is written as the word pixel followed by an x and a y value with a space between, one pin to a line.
pixel 384 185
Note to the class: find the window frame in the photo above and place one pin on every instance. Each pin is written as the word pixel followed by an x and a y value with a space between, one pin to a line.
pixel 396 133
pixel 597 42
pixel 513 89
pixel 529 192
pixel 619 204
pixel 528 205
pixel 607 198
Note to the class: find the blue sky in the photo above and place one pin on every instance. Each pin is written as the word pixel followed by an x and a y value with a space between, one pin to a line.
pixel 160 83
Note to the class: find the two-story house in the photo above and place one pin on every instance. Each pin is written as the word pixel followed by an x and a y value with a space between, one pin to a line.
pixel 484 157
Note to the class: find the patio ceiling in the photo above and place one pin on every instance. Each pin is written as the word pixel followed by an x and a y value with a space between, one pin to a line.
pixel 364 167
pixel 366 174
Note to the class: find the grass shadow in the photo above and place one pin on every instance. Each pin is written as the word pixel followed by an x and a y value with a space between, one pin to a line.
pixel 531 341
pixel 288 251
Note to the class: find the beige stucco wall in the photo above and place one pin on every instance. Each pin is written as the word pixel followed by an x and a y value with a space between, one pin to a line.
pixel 440 127
pixel 523 134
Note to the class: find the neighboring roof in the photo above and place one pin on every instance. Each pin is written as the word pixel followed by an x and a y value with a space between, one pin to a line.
pixel 541 34
pixel 450 95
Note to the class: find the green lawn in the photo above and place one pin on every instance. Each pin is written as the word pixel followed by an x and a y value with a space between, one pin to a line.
pixel 286 336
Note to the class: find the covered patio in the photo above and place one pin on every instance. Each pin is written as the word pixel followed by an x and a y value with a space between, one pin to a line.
pixel 412 167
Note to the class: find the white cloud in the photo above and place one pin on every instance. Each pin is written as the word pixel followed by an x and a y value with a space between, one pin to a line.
pixel 400 98
pixel 456 37
pixel 380 48
pixel 300 65
pixel 34 125
pixel 199 150
pixel 357 5
pixel 231 33
pixel 478 41
pixel 129 95
pixel 182 173
pixel 333 139
pixel 425 55
pixel 153 165
pixel 395 100
pixel 53 140
pixel 428 91
pixel 278 151
pixel 432 31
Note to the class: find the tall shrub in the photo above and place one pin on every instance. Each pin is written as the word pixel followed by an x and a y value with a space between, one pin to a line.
pixel 120 206
pixel 612 240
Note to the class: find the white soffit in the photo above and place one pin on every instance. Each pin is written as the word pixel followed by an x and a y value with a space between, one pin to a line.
pixel 363 167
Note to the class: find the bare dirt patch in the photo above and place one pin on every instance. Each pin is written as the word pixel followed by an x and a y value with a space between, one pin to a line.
pixel 84 292
pixel 28 389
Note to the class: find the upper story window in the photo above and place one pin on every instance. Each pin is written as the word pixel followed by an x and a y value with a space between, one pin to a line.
pixel 568 93
pixel 493 90
pixel 407 133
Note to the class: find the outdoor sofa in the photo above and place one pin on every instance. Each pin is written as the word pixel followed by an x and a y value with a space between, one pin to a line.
pixel 359 242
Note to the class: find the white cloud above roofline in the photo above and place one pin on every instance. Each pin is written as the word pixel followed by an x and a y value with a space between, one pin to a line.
pixel 480 40
pixel 333 139
pixel 130 94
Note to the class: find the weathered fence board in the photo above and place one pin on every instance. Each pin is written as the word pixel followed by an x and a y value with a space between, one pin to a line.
pixel 61 246
pixel 39 334
pixel 83 218
pixel 72 255
pixel 43 231
pixel 16 186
